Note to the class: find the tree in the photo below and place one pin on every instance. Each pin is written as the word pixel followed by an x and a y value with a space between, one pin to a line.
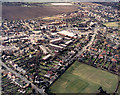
pixel 102 92
pixel 33 91
pixel 30 85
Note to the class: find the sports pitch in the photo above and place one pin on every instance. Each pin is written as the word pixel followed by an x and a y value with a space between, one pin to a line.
pixel 81 78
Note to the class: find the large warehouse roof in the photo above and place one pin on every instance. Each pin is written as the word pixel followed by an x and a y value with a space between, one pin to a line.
pixel 66 33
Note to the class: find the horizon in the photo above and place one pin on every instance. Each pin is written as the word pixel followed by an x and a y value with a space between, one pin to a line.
pixel 59 0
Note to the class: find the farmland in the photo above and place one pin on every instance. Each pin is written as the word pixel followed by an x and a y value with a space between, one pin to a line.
pixel 81 78
pixel 19 12
pixel 111 24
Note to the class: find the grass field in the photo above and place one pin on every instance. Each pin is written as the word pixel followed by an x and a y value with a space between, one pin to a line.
pixel 119 90
pixel 111 24
pixel 81 78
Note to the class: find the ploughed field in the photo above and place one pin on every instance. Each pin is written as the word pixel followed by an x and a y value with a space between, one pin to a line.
pixel 19 12
pixel 81 78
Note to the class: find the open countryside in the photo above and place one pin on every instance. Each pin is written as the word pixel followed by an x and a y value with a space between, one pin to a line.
pixel 112 24
pixel 81 78
pixel 20 12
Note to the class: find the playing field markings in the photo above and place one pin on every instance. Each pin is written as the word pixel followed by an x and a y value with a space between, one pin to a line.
pixel 84 73
pixel 64 84
pixel 108 84
pixel 90 79
pixel 90 76
pixel 98 81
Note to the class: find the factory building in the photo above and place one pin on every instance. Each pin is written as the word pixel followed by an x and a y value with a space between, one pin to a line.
pixel 68 42
pixel 43 49
pixel 55 41
pixel 66 33
pixel 55 47
pixel 46 57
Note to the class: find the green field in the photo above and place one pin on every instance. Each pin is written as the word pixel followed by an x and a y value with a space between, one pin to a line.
pixel 81 78
pixel 111 24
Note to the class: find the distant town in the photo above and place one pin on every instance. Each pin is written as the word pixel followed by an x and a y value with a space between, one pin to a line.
pixel 36 52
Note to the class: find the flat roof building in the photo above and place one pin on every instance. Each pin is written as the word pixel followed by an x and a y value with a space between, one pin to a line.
pixel 55 47
pixel 66 33
pixel 68 42
pixel 56 40
pixel 46 57
pixel 43 49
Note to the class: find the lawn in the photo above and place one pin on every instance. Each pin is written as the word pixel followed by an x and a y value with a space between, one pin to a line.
pixel 81 78
pixel 111 24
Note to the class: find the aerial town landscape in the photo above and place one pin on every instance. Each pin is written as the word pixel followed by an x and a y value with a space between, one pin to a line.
pixel 63 47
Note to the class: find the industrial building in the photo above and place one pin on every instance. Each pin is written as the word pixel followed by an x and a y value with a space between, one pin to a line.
pixel 46 57
pixel 55 41
pixel 43 49
pixel 55 47
pixel 66 33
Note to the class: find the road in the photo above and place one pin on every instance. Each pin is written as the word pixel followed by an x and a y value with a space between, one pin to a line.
pixel 89 44
pixel 84 48
pixel 23 78
pixel 70 61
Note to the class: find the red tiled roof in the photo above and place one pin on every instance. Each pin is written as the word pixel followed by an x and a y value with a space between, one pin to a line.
pixel 104 51
pixel 100 55
pixel 61 61
pixel 81 54
pixel 115 47
pixel 95 49
pixel 108 45
pixel 50 72
pixel 117 55
pixel 114 60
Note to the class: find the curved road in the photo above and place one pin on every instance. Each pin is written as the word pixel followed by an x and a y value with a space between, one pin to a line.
pixel 42 90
